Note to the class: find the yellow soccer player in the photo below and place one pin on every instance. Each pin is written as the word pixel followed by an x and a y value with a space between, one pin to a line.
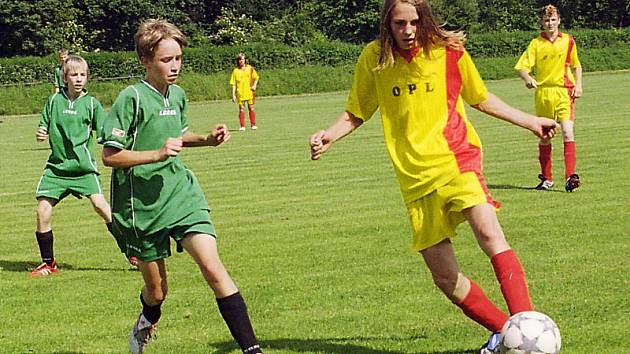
pixel 243 82
pixel 558 83
pixel 419 76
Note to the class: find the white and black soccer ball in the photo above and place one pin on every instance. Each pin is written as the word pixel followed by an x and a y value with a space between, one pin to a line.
pixel 530 332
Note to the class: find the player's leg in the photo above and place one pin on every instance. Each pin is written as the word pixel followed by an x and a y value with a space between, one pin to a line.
pixel 45 238
pixel 203 249
pixel 544 108
pixel 507 267
pixel 101 207
pixel 466 294
pixel 252 114
pixel 152 296
pixel 241 115
pixel 572 179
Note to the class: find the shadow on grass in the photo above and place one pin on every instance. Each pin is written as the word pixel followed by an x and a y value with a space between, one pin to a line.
pixel 21 266
pixel 37 149
pixel 508 186
pixel 328 345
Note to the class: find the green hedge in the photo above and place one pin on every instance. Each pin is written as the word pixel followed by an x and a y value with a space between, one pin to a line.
pixel 206 60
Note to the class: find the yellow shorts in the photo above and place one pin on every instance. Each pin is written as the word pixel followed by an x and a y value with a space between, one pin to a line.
pixel 250 102
pixel 435 216
pixel 555 103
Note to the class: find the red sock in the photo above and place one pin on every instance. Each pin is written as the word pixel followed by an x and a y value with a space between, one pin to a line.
pixel 481 310
pixel 544 157
pixel 252 118
pixel 569 158
pixel 512 279
pixel 241 117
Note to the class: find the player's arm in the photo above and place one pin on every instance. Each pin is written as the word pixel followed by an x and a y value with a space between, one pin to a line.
pixel 219 135
pixel 122 158
pixel 494 106
pixel 530 82
pixel 321 141
pixel 577 90
pixel 41 134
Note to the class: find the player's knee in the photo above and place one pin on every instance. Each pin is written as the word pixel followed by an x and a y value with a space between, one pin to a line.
pixel 156 294
pixel 446 283
pixel 213 272
pixel 44 211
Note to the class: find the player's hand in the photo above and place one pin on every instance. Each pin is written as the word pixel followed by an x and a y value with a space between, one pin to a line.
pixel 320 142
pixel 577 92
pixel 41 134
pixel 219 135
pixel 531 83
pixel 234 98
pixel 545 128
pixel 171 148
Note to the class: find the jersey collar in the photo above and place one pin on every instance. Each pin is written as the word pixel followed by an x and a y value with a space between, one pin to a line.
pixel 544 35
pixel 408 54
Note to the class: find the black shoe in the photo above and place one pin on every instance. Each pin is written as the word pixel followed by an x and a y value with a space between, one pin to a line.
pixel 544 184
pixel 573 182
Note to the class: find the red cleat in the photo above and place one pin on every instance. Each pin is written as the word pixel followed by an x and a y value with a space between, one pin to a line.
pixel 45 269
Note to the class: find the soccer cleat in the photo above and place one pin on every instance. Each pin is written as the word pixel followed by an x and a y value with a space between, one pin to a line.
pixel 242 129
pixel 492 345
pixel 544 184
pixel 254 127
pixel 140 335
pixel 572 183
pixel 45 269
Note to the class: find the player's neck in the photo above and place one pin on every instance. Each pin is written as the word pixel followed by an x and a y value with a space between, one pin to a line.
pixel 71 94
pixel 552 35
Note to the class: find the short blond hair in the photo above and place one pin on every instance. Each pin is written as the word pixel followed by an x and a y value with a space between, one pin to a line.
pixel 74 62
pixel 151 32
pixel 548 11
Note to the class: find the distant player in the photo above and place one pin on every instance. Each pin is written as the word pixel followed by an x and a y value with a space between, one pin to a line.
pixel 558 83
pixel 59 84
pixel 68 120
pixel 154 196
pixel 243 82
pixel 419 75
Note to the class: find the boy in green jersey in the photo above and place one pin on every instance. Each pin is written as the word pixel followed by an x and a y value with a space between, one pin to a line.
pixel 59 85
pixel 67 121
pixel 154 196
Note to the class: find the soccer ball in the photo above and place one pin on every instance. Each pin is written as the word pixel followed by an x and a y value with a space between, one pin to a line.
pixel 530 332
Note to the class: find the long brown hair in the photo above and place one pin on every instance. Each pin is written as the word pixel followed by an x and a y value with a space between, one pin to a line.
pixel 428 32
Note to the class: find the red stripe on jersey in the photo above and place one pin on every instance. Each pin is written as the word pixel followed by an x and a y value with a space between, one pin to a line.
pixel 567 64
pixel 468 156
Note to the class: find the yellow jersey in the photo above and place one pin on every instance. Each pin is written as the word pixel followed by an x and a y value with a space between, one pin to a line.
pixel 552 60
pixel 243 80
pixel 428 137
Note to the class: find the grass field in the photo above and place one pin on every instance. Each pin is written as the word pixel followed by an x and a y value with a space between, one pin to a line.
pixel 319 249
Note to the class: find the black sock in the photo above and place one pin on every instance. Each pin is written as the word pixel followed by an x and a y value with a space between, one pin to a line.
pixel 119 239
pixel 234 312
pixel 151 313
pixel 45 242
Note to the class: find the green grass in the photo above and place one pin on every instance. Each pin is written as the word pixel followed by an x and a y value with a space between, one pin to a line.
pixel 319 249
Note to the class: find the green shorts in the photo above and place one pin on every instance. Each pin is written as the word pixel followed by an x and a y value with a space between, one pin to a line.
pixel 158 245
pixel 58 187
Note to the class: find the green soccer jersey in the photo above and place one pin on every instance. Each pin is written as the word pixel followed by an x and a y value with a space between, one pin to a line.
pixel 59 78
pixel 69 124
pixel 149 198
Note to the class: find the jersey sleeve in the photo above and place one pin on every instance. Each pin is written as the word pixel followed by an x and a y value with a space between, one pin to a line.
pixel 98 117
pixel 363 98
pixel 233 78
pixel 44 119
pixel 184 113
pixel 255 76
pixel 574 60
pixel 528 59
pixel 473 89
pixel 118 125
